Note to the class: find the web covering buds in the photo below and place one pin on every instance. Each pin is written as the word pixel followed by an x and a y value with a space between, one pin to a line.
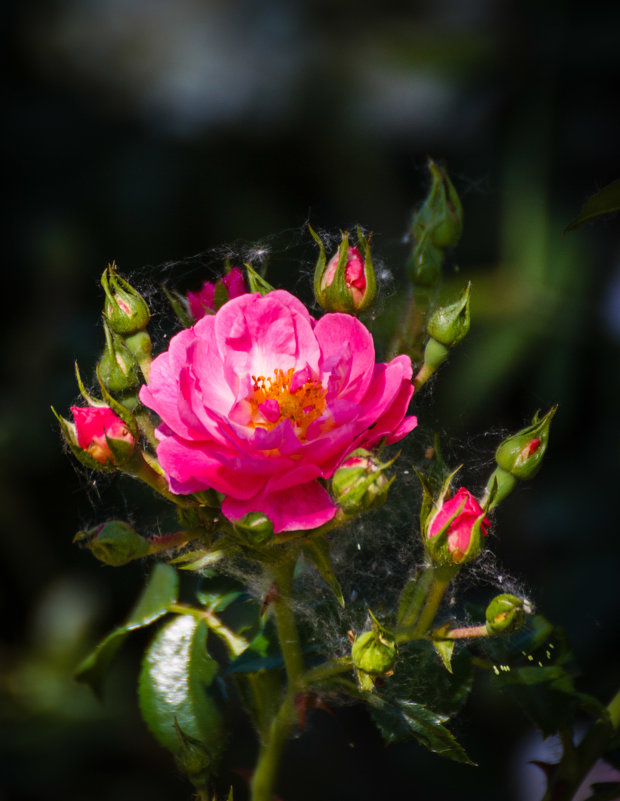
pixel 347 282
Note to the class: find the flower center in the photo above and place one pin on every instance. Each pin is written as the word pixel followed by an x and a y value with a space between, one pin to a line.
pixel 274 399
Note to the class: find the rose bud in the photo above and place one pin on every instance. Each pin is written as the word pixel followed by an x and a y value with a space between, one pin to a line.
pixel 117 368
pixel 455 529
pixel 347 282
pixel 125 309
pixel 102 434
pixel 256 527
pixel 447 326
pixel 519 457
pixel 505 614
pixel 441 215
pixel 212 295
pixel 114 543
pixel 360 482
pixel 373 654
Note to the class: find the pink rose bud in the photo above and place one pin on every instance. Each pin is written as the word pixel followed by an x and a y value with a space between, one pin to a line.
pixel 458 522
pixel 102 434
pixel 214 294
pixel 125 309
pixel 347 282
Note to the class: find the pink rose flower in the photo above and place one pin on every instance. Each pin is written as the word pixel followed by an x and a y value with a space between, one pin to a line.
pixel 94 426
pixel 459 513
pixel 260 401
pixel 203 301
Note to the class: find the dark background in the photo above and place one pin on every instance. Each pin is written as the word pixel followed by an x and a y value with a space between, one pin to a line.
pixel 147 132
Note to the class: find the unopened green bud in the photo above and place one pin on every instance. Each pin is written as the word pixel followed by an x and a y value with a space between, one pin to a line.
pixel 360 482
pixel 522 453
pixel 347 282
pixel 425 263
pixel 114 543
pixel 373 654
pixel 441 215
pixel 256 527
pixel 505 614
pixel 118 368
pixel 450 324
pixel 125 310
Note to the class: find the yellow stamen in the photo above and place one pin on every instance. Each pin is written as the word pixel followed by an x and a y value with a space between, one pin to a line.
pixel 302 407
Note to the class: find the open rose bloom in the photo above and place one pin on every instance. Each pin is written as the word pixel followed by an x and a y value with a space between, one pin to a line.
pixel 260 401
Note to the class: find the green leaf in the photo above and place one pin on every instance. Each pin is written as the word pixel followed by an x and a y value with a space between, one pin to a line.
pixel 606 201
pixel 403 720
pixel 604 791
pixel 317 551
pixel 420 676
pixel 445 649
pixel 161 590
pixel 176 674
pixel 262 654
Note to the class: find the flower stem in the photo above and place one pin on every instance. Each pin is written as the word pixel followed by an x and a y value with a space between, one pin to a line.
pixel 272 745
pixel 440 578
pixel 577 761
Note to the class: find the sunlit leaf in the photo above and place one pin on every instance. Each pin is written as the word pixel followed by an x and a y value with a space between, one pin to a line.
pixel 161 590
pixel 174 697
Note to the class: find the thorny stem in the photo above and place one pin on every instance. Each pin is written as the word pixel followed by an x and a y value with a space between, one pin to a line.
pixel 167 541
pixel 577 760
pixel 465 633
pixel 272 745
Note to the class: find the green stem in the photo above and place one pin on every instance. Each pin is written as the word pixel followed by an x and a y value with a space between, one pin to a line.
pixel 577 761
pixel 465 633
pixel 272 746
pixel 440 578
pixel 235 643
pixel 138 467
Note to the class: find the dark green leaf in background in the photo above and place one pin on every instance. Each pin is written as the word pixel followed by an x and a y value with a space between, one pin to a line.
pixel 606 201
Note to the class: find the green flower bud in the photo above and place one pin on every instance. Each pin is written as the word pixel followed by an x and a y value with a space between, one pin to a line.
pixel 118 368
pixel 256 527
pixel 373 654
pixel 125 309
pixel 441 215
pixel 505 614
pixel 347 282
pixel 450 324
pixel 425 263
pixel 114 543
pixel 360 482
pixel 519 457
pixel 521 454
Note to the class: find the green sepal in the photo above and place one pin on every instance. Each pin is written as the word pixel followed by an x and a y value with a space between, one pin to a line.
pixel 117 291
pixel 117 367
pixel 413 597
pixel 320 264
pixel 424 266
pixel 441 214
pixel 316 550
pixel 179 306
pixel 204 558
pixel 256 528
pixel 256 282
pixel 449 324
pixel 263 653
pixel 173 694
pixel 444 648
pixel 401 720
pixel 159 593
pixel 605 201
pixel 513 456
pixel 118 408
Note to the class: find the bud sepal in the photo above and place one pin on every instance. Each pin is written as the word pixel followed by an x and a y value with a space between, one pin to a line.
pixel 373 654
pixel 505 614
pixel 360 483
pixel 114 543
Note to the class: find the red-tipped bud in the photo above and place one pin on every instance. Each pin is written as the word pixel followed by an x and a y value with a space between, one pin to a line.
pixel 455 529
pixel 102 434
pixel 212 295
pixel 360 482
